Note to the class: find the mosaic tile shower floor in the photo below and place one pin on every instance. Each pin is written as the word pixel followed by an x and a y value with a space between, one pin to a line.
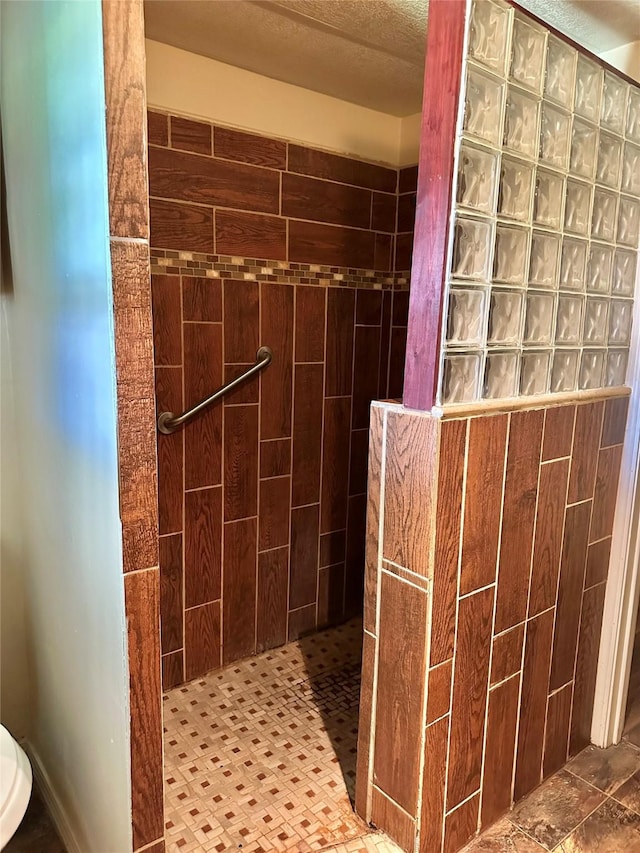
pixel 261 756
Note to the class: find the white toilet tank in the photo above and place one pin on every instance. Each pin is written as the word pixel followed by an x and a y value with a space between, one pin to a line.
pixel 15 785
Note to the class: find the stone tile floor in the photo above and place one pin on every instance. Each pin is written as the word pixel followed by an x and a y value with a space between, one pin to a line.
pixel 36 833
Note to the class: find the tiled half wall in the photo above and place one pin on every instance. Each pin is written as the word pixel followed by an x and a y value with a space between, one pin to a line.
pixel 262 500
pixel 487 556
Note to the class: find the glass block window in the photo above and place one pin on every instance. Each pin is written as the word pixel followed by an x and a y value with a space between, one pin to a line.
pixel 546 216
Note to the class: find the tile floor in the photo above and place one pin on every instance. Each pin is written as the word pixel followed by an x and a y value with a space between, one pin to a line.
pixel 36 833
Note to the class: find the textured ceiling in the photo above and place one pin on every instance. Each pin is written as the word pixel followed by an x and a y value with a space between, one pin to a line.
pixel 369 52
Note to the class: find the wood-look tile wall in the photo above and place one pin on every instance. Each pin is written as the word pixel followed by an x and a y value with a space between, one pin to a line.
pixel 262 500
pixel 483 609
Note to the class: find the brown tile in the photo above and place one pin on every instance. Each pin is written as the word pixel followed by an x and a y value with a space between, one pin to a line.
pixel 301 622
pixel 276 318
pixel 273 573
pixel 157 128
pixel 503 837
pixel 433 782
pixel 453 436
pixel 409 487
pixel 180 226
pixel 202 376
pixel 202 545
pixel 606 490
pixel 461 825
pixel 615 421
pixel 470 677
pixel 507 654
pixel 201 640
pixel 556 742
pixel 172 669
pixel 333 245
pixel 385 345
pixel 335 464
pixel 558 432
pixel 400 316
pixel 439 691
pixel 586 668
pixel 364 723
pixel 358 462
pixel 369 307
pixel 365 371
pixel 187 177
pixel 239 589
pixel 251 235
pixel 170 452
pixel 307 433
pixel 629 793
pixel 585 451
pixel 535 688
pixel 383 252
pixel 372 523
pixel 167 331
pixel 325 201
pixel 383 212
pixel 397 353
pixel 247 392
pixel 275 457
pixel 407 179
pixel 606 769
pixel 330 595
pixel 518 517
pixel 310 323
pixel 171 603
pixel 483 501
pixel 404 251
pixel 610 829
pixel 201 299
pixel 572 571
pixel 249 148
pixel 319 164
pixel 340 334
pixel 597 561
pixel 155 848
pixel 552 496
pixel 401 668
pixel 188 135
pixel 406 212
pixel 273 521
pixel 502 719
pixel 142 606
pixel 240 462
pixel 304 556
pixel 332 548
pixel 356 533
pixel 241 321
pixel 549 813
pixel 386 815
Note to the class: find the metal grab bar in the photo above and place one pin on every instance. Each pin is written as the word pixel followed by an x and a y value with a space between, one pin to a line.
pixel 168 422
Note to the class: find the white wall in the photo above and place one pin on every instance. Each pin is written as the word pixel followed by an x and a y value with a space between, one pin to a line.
pixel 59 334
pixel 625 59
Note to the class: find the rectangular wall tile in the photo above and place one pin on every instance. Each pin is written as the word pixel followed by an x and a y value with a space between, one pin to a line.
pixel 241 321
pixel 157 128
pixel 372 543
pixel 304 556
pixel 273 517
pixel 518 517
pixel 273 573
pixel 585 451
pixel 398 825
pixel 332 548
pixel 247 392
pixel 275 457
pixel 320 164
pixel 547 545
pixel 171 601
pixel 335 456
pixel 557 734
pixel 239 589
pixel 310 323
pixel 369 307
pixel 439 691
pixel 558 432
pixel 249 148
pixel 202 376
pixel 201 299
pixel 401 674
pixel 483 501
pixel 180 226
pixel 167 322
pixel 404 251
pixel 615 421
pixel 240 462
pixel 606 490
pixel 502 719
pixel 325 201
pixel 397 352
pixel 358 462
pixel 433 782
pixel 586 668
pixel 598 556
pixel 333 245
pixel 364 723
pixel 406 211
pixel 354 582
pixel 201 640
pixel 307 433
pixel 365 371
pixel 301 622
pixel 331 581
pixel 340 332
pixel 250 235
pixel 507 654
pixel 172 669
pixel 385 346
pixel 202 540
pixel 188 135
pixel 276 313
pixel 170 452
pixel 461 825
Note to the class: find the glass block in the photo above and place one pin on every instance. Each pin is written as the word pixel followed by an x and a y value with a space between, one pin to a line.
pixel 633 115
pixel 572 265
pixel 461 377
pixel 521 122
pixel 631 169
pixel 545 259
pixel 527 61
pixel 477 176
pixel 628 222
pixel 603 220
pixel 501 375
pixel 614 102
pixel 591 369
pixel 488 34
pixel 609 152
pixel 624 272
pixel 577 207
pixel 561 68
pixel 514 192
pixel 505 317
pixel 534 372
pixel 588 89
pixel 466 317
pixel 599 268
pixel 616 371
pixel 584 141
pixel 565 370
pixel 595 321
pixel 471 248
pixel 554 136
pixel 540 316
pixel 511 255
pixel 620 319
pixel 483 106
pixel 548 198
pixel 569 320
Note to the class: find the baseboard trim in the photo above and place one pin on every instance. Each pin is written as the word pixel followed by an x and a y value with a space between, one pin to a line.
pixel 56 809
